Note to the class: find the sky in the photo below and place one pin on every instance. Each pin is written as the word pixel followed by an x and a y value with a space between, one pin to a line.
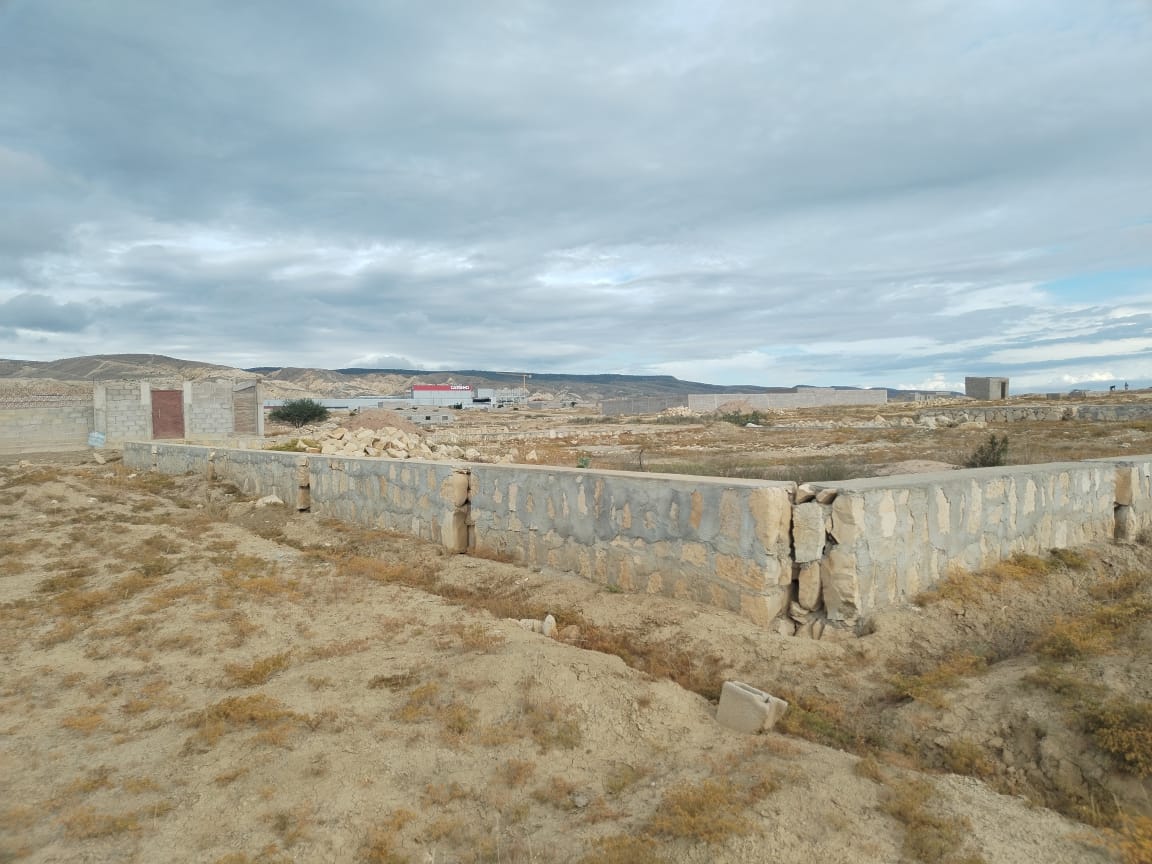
pixel 812 192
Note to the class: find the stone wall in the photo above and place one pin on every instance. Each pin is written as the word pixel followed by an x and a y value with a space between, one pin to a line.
pixel 719 541
pixel 787 557
pixel 812 397
pixel 887 539
pixel 724 542
pixel 1105 412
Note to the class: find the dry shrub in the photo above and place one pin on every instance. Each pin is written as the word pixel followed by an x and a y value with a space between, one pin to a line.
pixel 963 756
pixel 623 776
pixel 515 772
pixel 256 672
pixel 928 685
pixel 85 720
pixel 292 826
pixel 422 576
pixel 869 768
pixel 1122 728
pixel 1132 843
pixel 84 823
pixel 928 837
pixel 968 588
pixel 624 849
pixel 558 792
pixel 1094 631
pixel 478 638
pixel 444 793
pixel 379 847
pixel 458 719
pixel 822 721
pixel 550 723
pixel 709 811
pixel 422 704
pixel 239 712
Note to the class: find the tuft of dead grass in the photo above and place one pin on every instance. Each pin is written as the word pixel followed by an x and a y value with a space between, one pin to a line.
pixel 928 836
pixel 256 672
pixel 708 811
pixel 257 711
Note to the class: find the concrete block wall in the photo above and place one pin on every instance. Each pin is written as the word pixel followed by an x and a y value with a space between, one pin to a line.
pixel 815 397
pixel 719 541
pixel 208 408
pixel 123 410
pixel 46 426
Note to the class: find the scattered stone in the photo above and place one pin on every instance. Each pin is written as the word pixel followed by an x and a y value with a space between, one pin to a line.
pixel 268 500
pixel 746 709
pixel 98 458
pixel 548 627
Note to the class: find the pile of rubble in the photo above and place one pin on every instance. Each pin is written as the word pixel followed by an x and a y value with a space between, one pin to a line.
pixel 388 442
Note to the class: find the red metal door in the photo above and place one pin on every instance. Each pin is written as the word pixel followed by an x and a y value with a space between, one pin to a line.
pixel 167 413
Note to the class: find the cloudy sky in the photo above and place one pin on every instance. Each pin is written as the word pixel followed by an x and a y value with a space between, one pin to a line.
pixel 788 192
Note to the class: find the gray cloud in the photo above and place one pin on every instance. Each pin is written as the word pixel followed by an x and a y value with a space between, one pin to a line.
pixel 753 193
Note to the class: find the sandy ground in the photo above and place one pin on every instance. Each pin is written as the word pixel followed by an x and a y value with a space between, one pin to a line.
pixel 188 677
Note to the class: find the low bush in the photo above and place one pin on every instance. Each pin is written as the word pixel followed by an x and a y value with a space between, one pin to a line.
pixel 299 412
pixel 991 454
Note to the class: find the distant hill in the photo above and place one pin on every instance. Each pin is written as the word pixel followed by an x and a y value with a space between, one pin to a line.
pixel 289 382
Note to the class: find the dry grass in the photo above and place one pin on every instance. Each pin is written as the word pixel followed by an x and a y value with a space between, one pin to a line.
pixel 256 672
pixel 711 810
pixel 928 680
pixel 1132 843
pixel 625 849
pixel 1119 607
pixel 965 588
pixel 928 836
pixel 235 713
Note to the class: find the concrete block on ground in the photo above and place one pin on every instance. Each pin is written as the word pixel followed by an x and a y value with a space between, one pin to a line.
pixel 746 709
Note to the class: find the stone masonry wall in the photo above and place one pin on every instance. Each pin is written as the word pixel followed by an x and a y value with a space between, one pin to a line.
pixel 787 557
pixel 887 539
pixel 719 541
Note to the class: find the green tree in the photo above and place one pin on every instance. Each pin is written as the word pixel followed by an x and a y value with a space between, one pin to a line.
pixel 298 412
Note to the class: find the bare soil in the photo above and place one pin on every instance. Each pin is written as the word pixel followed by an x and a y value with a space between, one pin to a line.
pixel 190 677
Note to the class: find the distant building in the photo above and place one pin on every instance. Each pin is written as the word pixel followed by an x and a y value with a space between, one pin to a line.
pixel 441 395
pixel 986 389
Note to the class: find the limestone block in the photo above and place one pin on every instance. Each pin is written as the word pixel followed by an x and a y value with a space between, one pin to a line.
pixel 809 594
pixel 762 608
pixel 808 532
pixel 456 489
pixel 847 519
pixel 746 709
pixel 804 493
pixel 1125 483
pixel 826 496
pixel 772 515
pixel 840 585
